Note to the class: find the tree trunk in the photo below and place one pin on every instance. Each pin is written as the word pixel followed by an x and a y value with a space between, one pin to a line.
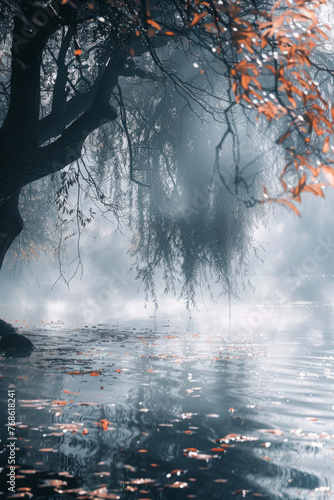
pixel 11 224
pixel 23 159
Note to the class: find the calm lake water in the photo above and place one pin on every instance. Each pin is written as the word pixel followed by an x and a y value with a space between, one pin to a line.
pixel 161 410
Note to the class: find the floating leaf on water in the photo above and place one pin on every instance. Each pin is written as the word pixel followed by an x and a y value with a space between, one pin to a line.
pixel 142 480
pixel 236 437
pixel 104 423
pixel 130 468
pixel 54 482
pixel 276 432
pixel 103 493
pixel 199 456
pixel 176 472
pixel 177 484
pixel 242 492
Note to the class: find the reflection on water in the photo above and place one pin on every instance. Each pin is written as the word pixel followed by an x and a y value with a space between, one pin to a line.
pixel 151 411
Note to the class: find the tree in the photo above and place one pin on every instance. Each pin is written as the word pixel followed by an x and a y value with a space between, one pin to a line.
pixel 113 84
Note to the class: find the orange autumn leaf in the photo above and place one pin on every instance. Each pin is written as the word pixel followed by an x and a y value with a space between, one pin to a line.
pixel 177 484
pixel 284 136
pixel 276 432
pixel 104 424
pixel 78 52
pixel 325 147
pixel 95 374
pixel 197 18
pixel 329 173
pixel 85 431
pixel 176 471
pixel 154 24
pixel 290 205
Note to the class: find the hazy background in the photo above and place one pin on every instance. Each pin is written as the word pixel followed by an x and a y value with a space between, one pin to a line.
pixel 295 264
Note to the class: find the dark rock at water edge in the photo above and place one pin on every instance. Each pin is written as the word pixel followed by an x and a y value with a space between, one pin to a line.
pixel 11 340
pixel 6 328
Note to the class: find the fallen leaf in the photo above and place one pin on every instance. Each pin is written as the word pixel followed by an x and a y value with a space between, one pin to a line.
pixel 276 432
pixel 177 484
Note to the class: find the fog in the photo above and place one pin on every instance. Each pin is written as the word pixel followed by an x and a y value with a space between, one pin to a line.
pixel 294 264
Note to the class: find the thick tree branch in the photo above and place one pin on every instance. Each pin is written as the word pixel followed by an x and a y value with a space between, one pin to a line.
pixel 33 164
pixel 33 26
pixel 59 90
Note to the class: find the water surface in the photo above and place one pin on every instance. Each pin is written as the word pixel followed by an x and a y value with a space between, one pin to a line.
pixel 159 410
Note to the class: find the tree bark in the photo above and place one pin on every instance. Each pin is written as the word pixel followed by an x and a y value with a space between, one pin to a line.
pixel 11 224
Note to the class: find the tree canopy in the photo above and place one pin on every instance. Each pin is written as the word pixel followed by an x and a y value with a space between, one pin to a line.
pixel 180 118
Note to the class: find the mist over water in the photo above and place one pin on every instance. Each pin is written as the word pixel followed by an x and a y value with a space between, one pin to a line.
pixel 295 263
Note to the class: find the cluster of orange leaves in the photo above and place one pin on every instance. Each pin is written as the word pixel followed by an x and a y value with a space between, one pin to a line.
pixel 276 47
pixel 272 49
